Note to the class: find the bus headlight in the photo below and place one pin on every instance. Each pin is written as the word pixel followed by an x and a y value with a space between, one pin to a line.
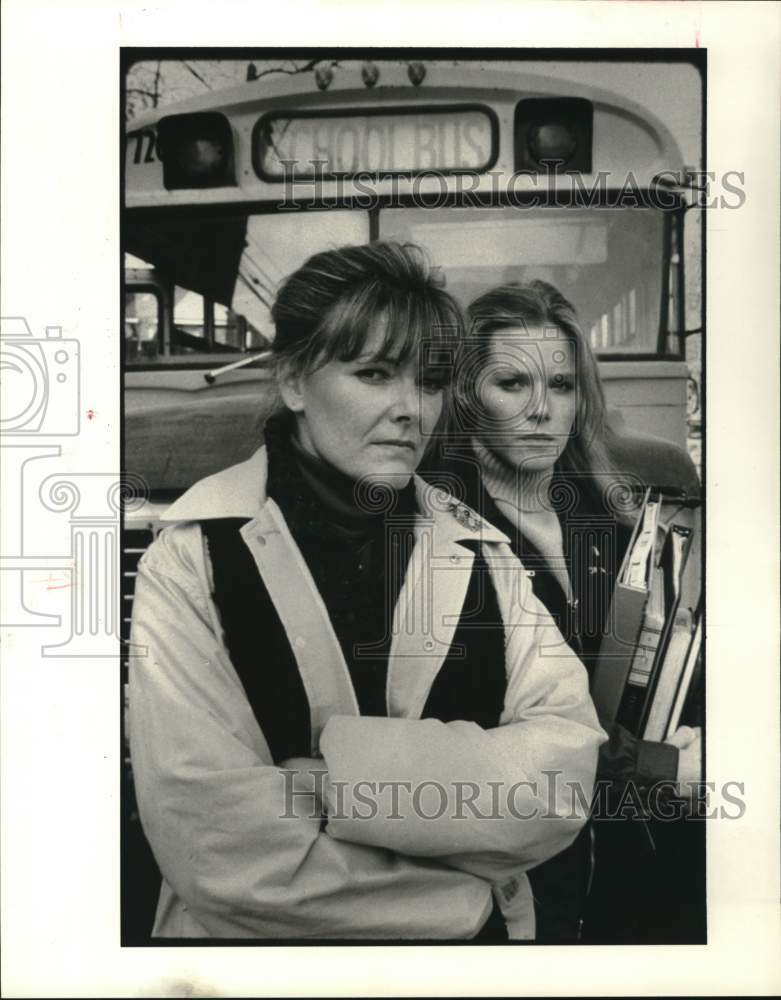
pixel 196 150
pixel 556 132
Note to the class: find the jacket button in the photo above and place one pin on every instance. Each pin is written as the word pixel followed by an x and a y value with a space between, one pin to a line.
pixel 300 641
pixel 428 645
pixel 261 540
pixel 455 560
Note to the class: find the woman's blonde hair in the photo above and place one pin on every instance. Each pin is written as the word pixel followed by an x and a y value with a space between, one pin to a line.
pixel 587 453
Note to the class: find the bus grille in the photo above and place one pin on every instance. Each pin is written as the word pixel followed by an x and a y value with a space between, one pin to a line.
pixel 135 542
pixel 140 886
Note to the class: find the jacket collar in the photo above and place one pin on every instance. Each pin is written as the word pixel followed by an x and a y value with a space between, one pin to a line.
pixel 240 491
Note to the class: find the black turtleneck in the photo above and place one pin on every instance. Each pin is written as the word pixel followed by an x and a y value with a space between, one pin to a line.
pixel 357 546
pixel 358 558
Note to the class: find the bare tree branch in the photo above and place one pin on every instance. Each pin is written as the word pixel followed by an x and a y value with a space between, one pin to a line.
pixel 157 83
pixel 305 68
pixel 196 74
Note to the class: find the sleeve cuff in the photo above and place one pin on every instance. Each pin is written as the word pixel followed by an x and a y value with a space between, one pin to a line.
pixel 656 762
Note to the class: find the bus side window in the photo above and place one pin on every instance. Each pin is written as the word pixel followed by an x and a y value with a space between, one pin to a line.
pixel 228 328
pixel 189 327
pixel 254 340
pixel 143 310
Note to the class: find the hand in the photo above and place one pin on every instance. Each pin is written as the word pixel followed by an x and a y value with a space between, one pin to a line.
pixel 303 764
pixel 688 740
pixel 311 776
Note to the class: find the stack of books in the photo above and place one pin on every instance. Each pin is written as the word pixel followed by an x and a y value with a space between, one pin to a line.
pixel 650 658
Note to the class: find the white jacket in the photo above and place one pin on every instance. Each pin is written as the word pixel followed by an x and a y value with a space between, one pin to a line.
pixel 213 803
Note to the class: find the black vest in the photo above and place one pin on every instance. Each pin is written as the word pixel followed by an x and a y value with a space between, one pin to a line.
pixel 470 685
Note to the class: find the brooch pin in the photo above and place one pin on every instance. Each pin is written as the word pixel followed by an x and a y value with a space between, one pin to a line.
pixel 465 516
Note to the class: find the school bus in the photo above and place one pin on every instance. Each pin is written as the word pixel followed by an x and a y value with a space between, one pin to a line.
pixel 574 170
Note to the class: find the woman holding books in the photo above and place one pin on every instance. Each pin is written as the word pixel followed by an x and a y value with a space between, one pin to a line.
pixel 533 453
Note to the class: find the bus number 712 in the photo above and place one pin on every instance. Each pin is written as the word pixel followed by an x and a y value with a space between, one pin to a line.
pixel 146 137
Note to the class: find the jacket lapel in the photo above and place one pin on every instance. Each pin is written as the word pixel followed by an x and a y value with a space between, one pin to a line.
pixel 302 612
pixel 427 614
pixel 427 611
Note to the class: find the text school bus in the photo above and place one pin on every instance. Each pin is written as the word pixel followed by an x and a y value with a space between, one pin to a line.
pixel 575 172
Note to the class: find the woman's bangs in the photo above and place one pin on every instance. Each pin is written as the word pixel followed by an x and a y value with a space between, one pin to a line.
pixel 410 326
pixel 406 324
pixel 347 326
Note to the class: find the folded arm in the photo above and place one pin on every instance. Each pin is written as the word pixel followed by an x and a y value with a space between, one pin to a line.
pixel 239 840
pixel 489 801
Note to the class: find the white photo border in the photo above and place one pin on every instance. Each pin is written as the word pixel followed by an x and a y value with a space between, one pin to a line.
pixel 60 733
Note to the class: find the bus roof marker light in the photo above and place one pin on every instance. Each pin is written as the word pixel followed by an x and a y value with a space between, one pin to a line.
pixel 196 150
pixel 370 73
pixel 323 77
pixel 416 72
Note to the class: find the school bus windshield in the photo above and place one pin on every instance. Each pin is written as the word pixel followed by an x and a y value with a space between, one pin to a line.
pixel 219 274
pixel 608 262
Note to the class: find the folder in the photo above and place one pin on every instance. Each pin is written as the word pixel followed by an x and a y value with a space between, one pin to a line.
pixel 617 651
pixel 627 609
pixel 652 628
pixel 669 677
pixel 643 611
pixel 687 676
pixel 654 635
pixel 674 558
